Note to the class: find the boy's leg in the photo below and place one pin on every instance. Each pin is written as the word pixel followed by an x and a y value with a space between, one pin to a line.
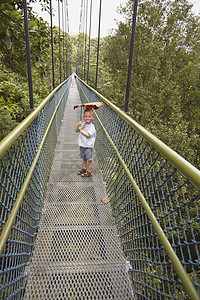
pixel 85 164
pixel 80 172
pixel 90 166
pixel 89 171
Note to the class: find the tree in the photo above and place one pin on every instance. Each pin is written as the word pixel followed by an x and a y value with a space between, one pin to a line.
pixel 165 56
pixel 14 96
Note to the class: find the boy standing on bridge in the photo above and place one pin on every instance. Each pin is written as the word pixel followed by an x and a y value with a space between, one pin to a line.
pixel 86 140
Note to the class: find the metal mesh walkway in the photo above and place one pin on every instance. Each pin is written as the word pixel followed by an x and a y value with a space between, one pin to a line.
pixel 77 253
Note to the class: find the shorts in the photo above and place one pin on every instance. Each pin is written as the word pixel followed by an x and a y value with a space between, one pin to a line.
pixel 86 153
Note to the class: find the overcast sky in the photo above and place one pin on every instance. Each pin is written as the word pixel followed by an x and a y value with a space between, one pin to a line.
pixel 108 14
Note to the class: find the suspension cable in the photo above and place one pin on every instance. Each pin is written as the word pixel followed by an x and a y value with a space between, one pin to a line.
pixel 131 55
pixel 65 42
pixel 82 58
pixel 85 38
pixel 63 29
pixel 89 41
pixel 28 54
pixel 98 44
pixel 52 53
pixel 59 38
pixel 68 63
pixel 78 50
pixel 78 60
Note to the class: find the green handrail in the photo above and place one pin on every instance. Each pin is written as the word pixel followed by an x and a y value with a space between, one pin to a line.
pixel 185 168
pixel 9 223
pixel 191 290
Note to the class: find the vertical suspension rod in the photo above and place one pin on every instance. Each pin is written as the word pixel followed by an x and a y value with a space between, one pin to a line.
pixel 65 24
pixel 28 54
pixel 63 37
pixel 78 52
pixel 52 52
pixel 78 60
pixel 85 38
pixel 98 44
pixel 131 55
pixel 67 40
pixel 89 42
pixel 59 38
pixel 82 58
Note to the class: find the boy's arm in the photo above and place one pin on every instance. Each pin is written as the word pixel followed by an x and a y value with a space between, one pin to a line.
pixel 78 126
pixel 84 132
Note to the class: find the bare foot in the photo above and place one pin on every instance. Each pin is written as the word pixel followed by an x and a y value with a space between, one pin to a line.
pixel 105 199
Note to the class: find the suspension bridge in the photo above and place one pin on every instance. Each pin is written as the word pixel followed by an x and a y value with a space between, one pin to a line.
pixel 59 240
pixel 62 242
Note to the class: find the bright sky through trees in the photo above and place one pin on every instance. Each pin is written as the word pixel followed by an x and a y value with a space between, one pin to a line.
pixel 109 14
pixel 107 17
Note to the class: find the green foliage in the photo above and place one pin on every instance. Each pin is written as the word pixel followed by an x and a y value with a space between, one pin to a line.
pixel 14 95
pixel 13 98
pixel 165 84
pixel 7 124
pixel 14 102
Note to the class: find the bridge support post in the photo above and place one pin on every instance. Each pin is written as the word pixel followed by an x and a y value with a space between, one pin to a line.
pixel 98 45
pixel 52 52
pixel 131 55
pixel 28 54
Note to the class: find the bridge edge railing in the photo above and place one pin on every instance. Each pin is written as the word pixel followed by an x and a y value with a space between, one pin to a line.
pixel 184 167
pixel 25 168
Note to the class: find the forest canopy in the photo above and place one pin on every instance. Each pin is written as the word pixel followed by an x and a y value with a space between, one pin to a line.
pixel 165 84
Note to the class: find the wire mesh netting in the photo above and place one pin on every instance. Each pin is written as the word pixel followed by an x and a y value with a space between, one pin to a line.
pixel 173 199
pixel 77 253
pixel 15 165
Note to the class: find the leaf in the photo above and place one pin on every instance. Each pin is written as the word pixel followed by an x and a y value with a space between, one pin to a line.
pixel 32 23
pixel 42 40
pixel 8 43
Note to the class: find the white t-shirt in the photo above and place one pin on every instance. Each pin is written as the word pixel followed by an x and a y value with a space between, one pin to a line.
pixel 82 140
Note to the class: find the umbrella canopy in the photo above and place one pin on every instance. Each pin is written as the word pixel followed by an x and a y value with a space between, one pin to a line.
pixel 90 105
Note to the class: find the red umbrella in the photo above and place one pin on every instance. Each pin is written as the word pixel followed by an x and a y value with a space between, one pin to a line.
pixel 90 105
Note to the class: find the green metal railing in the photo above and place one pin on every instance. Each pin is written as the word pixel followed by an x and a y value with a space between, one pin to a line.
pixel 26 157
pixel 154 195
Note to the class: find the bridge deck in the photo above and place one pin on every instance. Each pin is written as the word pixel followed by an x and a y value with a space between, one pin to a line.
pixel 77 253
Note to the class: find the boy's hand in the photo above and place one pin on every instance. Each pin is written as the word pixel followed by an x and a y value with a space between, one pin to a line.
pixel 79 125
pixel 80 128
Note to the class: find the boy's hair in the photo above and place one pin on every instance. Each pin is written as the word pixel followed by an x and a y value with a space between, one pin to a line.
pixel 89 110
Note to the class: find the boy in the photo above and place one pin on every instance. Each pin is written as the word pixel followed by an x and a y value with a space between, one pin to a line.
pixel 86 139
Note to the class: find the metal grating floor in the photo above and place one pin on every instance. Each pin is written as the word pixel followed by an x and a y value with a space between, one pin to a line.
pixel 77 253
